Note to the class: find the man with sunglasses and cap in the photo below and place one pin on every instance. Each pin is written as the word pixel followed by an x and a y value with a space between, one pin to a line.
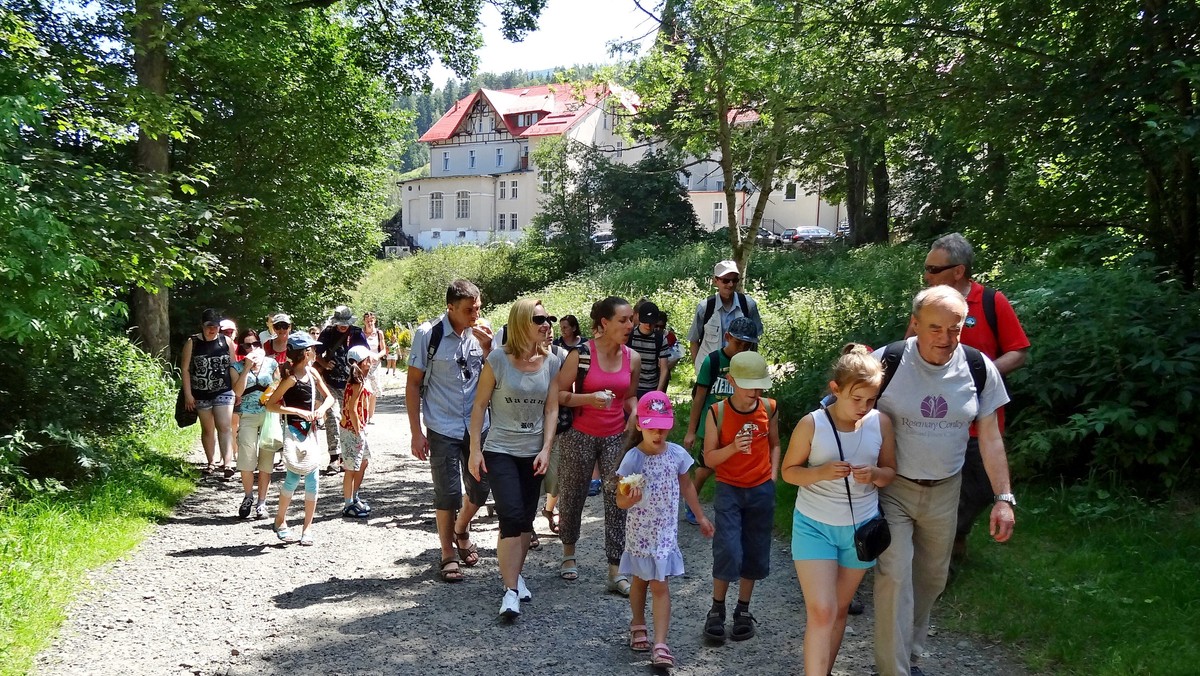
pixel 992 328
pixel 335 343
pixel 443 373
pixel 715 313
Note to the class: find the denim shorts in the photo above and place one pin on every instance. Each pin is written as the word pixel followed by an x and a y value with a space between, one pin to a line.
pixel 448 462
pixel 742 543
pixel 813 540
pixel 222 399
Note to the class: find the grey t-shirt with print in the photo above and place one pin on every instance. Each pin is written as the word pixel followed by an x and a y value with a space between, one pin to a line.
pixel 932 408
pixel 519 405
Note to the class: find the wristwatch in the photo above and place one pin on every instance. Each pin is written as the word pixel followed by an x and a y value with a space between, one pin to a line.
pixel 1006 497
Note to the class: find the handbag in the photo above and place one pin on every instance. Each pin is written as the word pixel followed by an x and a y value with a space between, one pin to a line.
pixel 304 454
pixel 874 536
pixel 270 435
pixel 184 417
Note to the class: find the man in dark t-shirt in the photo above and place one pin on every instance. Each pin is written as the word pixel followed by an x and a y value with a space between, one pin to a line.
pixel 335 341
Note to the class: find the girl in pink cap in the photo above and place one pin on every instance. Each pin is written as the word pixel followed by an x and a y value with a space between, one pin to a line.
pixel 653 475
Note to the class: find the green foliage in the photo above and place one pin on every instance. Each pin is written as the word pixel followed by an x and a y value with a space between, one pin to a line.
pixel 49 542
pixel 1063 592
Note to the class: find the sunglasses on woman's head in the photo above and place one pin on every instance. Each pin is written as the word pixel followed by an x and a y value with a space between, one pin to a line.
pixel 542 319
pixel 279 326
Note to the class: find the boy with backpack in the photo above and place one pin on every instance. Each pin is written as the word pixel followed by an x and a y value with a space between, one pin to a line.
pixel 651 343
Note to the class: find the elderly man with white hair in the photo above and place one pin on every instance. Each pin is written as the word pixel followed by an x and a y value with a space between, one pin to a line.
pixel 934 388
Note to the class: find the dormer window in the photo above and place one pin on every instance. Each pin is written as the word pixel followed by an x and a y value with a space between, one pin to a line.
pixel 527 119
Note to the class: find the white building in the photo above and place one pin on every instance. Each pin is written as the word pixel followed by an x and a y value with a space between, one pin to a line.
pixel 482 185
pixel 788 206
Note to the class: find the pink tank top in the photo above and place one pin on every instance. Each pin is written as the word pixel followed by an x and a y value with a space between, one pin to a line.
pixel 607 421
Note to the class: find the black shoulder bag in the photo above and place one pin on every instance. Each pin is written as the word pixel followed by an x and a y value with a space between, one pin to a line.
pixel 873 537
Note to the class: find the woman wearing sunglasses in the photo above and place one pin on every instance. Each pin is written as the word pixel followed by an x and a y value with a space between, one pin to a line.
pixel 518 382
pixel 276 347
pixel 256 373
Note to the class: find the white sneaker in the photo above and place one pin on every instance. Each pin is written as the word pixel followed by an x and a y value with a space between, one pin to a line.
pixel 523 592
pixel 260 511
pixel 510 607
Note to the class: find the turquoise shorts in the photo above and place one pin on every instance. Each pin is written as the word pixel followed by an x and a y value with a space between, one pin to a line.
pixel 816 541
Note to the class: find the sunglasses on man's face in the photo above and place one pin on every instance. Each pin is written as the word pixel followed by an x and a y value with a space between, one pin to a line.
pixel 939 269
pixel 281 326
pixel 729 280
pixel 542 319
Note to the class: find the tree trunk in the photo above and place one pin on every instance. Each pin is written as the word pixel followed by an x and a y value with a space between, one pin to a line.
pixel 149 309
pixel 856 195
pixel 881 188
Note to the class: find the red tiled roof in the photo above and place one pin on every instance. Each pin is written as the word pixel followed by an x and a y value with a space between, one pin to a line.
pixel 561 104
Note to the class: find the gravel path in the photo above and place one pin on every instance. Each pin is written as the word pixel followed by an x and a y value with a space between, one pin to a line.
pixel 209 594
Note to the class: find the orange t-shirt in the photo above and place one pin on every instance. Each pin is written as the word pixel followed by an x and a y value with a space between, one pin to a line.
pixel 745 470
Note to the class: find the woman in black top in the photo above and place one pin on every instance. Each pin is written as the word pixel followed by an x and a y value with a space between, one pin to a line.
pixel 207 372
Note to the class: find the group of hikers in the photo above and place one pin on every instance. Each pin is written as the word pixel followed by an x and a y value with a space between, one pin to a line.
pixel 908 443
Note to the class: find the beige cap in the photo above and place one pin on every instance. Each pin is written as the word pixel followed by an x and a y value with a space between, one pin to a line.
pixel 749 371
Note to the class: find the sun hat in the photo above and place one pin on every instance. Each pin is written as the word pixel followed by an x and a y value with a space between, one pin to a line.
pixel 358 353
pixel 724 268
pixel 654 412
pixel 299 341
pixel 749 371
pixel 342 316
pixel 282 317
pixel 744 329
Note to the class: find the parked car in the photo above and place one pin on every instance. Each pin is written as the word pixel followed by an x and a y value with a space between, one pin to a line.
pixel 767 238
pixel 808 236
pixel 605 240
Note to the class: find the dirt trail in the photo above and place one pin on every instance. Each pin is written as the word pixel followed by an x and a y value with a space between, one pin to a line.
pixel 209 594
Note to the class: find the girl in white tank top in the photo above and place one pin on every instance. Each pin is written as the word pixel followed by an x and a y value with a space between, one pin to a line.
pixel 823 550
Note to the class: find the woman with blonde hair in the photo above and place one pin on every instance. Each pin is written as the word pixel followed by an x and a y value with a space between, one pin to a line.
pixel 519 383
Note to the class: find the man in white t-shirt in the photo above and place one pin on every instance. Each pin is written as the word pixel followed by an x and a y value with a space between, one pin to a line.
pixel 932 401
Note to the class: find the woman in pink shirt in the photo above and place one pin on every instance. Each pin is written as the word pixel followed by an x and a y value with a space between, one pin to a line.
pixel 608 394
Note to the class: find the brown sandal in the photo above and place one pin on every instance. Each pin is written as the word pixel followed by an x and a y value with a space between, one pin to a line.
pixel 451 575
pixel 469 555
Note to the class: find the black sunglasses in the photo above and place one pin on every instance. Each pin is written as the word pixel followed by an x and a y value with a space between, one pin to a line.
pixel 542 319
pixel 250 343
pixel 279 326
pixel 462 365
pixel 938 269
pixel 730 280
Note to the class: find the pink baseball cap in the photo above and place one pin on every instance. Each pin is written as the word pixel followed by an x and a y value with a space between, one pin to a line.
pixel 654 412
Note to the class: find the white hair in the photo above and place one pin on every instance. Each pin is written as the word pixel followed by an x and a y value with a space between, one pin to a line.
pixel 946 296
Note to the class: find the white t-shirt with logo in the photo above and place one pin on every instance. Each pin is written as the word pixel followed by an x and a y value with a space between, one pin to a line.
pixel 932 408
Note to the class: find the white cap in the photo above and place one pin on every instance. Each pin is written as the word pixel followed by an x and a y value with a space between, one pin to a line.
pixel 228 324
pixel 358 353
pixel 724 268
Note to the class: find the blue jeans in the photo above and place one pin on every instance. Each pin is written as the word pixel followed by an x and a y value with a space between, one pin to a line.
pixel 742 543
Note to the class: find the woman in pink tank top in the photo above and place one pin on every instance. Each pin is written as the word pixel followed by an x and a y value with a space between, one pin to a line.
pixel 601 407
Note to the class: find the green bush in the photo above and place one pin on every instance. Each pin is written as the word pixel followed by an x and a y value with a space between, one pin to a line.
pixel 73 406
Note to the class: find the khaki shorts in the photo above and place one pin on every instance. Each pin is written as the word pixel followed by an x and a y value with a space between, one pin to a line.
pixel 249 455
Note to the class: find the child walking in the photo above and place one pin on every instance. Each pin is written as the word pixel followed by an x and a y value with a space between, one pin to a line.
pixel 302 452
pixel 828 503
pixel 653 475
pixel 356 413
pixel 741 444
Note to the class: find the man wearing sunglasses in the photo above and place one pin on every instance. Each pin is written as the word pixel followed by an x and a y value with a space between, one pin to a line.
pixel 443 373
pixel 992 328
pixel 714 314
pixel 333 359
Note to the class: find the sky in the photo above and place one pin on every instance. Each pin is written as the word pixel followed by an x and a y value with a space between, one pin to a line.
pixel 569 32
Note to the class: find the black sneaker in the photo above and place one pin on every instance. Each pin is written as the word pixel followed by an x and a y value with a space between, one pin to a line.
pixel 247 505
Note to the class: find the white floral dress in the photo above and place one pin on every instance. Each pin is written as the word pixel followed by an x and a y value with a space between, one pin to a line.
pixel 652 525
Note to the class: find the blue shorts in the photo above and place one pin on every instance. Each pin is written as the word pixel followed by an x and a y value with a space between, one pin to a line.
pixel 742 543
pixel 816 541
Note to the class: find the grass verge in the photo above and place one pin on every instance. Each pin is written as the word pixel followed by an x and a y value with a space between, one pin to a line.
pixel 49 543
pixel 1092 583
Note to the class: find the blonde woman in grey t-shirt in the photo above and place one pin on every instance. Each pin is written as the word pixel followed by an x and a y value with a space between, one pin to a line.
pixel 519 383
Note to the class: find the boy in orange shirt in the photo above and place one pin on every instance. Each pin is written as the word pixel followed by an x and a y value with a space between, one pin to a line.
pixel 741 444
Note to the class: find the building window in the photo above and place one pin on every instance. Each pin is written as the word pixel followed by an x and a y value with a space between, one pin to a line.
pixel 720 186
pixel 435 234
pixel 604 116
pixel 446 161
pixel 435 206
pixel 462 207
pixel 471 159
pixel 502 221
pixel 789 192
pixel 499 157
pixel 718 213
pixel 620 149
pixel 462 234
pixel 512 221
pixel 503 189
pixel 514 190
pixel 547 179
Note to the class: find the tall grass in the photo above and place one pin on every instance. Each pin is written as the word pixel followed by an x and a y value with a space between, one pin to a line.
pixel 50 541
